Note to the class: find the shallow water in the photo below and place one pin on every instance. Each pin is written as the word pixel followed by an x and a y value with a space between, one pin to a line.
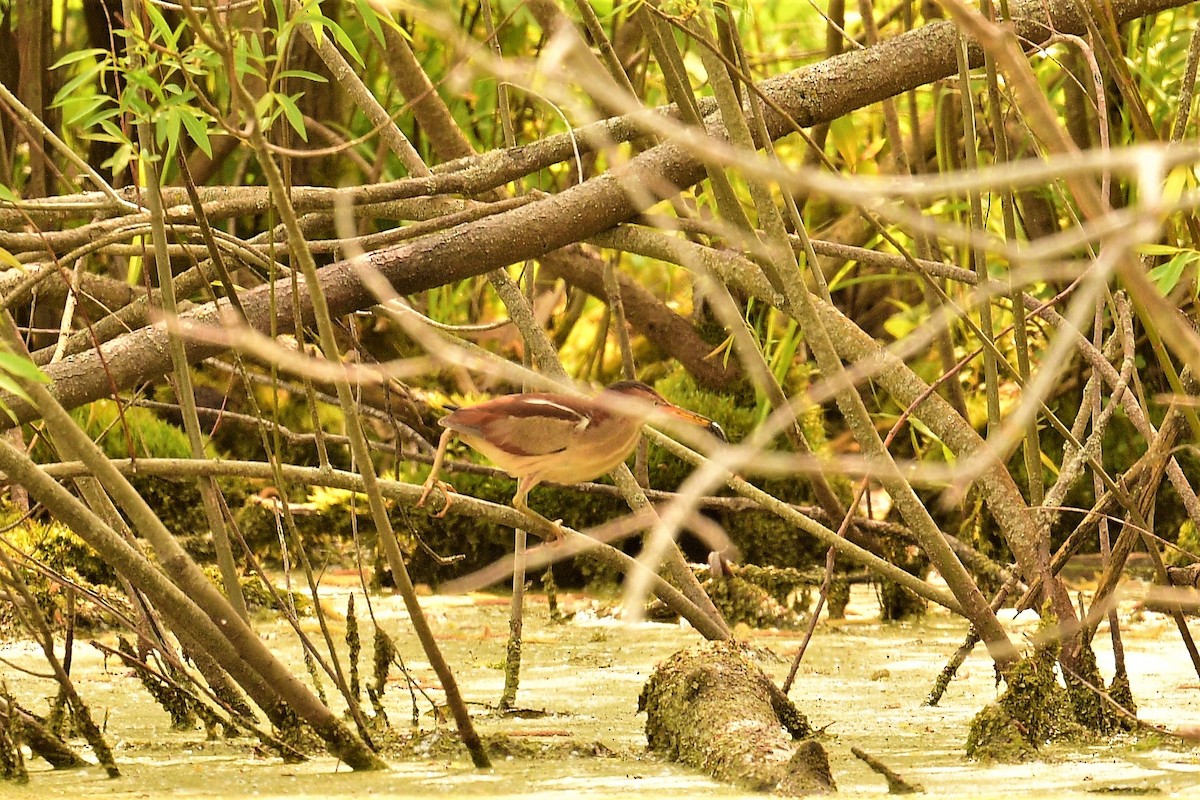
pixel 864 682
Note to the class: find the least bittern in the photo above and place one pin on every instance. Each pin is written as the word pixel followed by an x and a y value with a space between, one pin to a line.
pixel 556 437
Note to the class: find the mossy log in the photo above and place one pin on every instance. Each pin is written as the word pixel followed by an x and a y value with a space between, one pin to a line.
pixel 40 740
pixel 711 707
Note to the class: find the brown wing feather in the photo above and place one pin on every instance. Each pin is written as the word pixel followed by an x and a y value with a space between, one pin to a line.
pixel 526 425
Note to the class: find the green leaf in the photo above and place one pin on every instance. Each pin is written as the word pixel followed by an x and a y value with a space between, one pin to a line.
pixel 371 19
pixel 87 113
pixel 197 130
pixel 248 58
pixel 143 81
pixel 303 73
pixel 161 27
pixel 346 42
pixel 292 111
pixel 80 55
pixel 9 260
pixel 7 384
pixel 115 134
pixel 133 274
pixel 22 367
pixel 1150 249
pixel 120 159
pixel 71 89
pixel 174 129
pixel 1166 276
pixel 99 116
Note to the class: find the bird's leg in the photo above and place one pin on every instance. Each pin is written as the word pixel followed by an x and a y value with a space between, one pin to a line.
pixel 521 504
pixel 432 481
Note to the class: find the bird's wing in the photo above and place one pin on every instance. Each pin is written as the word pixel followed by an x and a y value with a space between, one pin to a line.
pixel 525 425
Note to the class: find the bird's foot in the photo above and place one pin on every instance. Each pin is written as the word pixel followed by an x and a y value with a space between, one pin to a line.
pixel 447 492
pixel 551 530
pixel 558 534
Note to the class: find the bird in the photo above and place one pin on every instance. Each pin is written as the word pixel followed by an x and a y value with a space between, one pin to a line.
pixel 562 438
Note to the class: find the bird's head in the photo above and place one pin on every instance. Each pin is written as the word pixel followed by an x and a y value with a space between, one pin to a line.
pixel 652 402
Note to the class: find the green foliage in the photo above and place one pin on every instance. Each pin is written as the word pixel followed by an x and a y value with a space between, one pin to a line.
pixel 13 370
pixel 1169 272
pixel 173 80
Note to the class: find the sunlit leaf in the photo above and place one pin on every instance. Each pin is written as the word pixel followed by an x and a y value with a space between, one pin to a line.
pixel 159 23
pixel 71 89
pixel 344 40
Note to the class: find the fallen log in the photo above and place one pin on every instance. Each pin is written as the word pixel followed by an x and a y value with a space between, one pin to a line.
pixel 711 707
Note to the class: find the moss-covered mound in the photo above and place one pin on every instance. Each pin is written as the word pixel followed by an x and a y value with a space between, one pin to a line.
pixel 1036 709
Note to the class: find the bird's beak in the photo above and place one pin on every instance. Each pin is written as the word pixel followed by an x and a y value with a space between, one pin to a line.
pixel 699 420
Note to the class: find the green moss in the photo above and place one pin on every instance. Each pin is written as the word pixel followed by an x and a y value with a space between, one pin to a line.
pixel 257 595
pixel 1121 693
pixel 291 410
pixel 897 603
pixel 328 522
pixel 1036 709
pixel 788 586
pixel 734 412
pixel 1016 725
pixel 710 706
pixel 139 433
pixel 742 602
pixel 54 545
pixel 135 433
pixel 838 596
pixel 1088 708
pixel 762 537
pixel 1188 542
pixel 995 736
